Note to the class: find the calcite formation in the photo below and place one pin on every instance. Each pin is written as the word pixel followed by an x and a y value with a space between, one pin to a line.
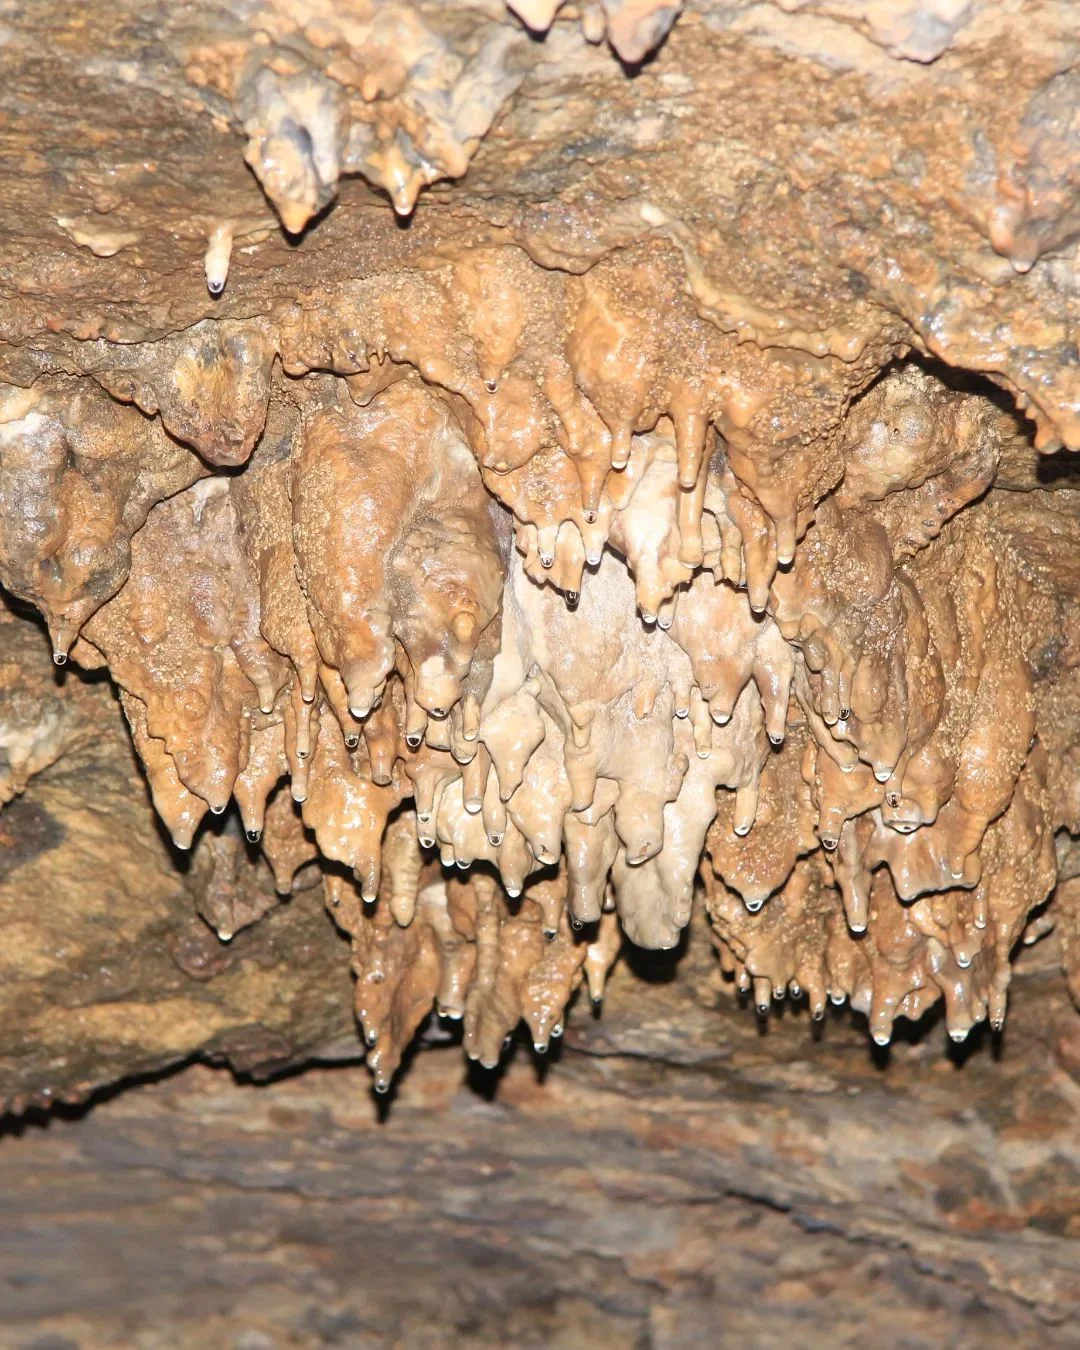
pixel 602 538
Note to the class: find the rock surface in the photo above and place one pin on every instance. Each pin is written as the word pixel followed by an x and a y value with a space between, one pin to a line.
pixel 108 970
pixel 596 509
pixel 674 1180
pixel 508 486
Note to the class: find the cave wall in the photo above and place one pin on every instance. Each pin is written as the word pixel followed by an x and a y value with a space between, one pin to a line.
pixel 521 468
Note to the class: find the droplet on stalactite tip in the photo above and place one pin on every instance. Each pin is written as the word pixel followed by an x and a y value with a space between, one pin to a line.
pixel 550 934
pixel 218 256
pixel 958 1035
pixel 882 1038
pixel 254 836
pixel 217 810
pixel 59 658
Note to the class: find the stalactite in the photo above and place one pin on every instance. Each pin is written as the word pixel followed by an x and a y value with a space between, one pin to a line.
pixel 523 602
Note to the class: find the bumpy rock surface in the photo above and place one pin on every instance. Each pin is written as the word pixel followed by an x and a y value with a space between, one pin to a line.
pixel 522 466
pixel 676 1181
pixel 108 970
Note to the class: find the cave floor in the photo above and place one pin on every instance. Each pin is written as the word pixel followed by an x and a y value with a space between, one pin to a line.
pixel 675 1177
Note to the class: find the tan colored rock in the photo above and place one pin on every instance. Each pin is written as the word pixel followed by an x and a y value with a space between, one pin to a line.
pixel 666 483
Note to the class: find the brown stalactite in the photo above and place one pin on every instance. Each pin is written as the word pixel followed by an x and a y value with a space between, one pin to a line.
pixel 527 572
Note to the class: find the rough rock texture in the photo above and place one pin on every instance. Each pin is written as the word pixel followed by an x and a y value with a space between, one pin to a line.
pixel 108 970
pixel 522 467
pixel 675 1181
pixel 609 513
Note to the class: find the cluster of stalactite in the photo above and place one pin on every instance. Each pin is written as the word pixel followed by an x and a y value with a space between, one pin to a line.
pixel 511 595
pixel 401 93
